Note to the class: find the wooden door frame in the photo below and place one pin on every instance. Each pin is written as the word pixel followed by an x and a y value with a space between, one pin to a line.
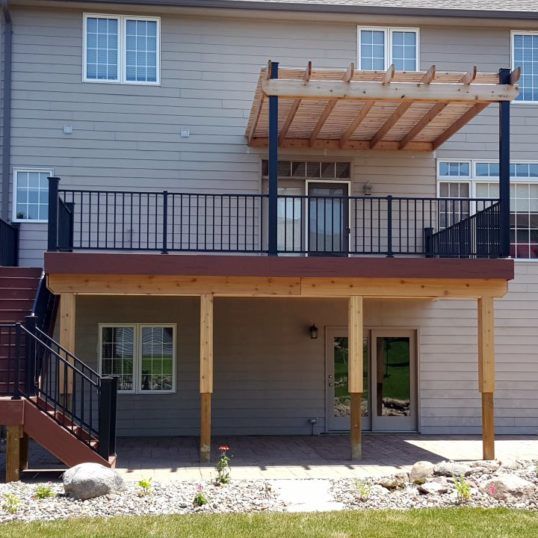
pixel 343 330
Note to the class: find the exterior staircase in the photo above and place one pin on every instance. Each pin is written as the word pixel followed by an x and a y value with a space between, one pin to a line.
pixel 47 393
pixel 18 288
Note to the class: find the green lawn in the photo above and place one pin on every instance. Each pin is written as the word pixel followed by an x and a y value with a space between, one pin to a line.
pixel 440 523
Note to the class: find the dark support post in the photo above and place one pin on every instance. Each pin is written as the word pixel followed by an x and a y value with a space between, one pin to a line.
pixel 504 168
pixel 107 409
pixel 389 227
pixel 428 242
pixel 165 223
pixel 53 213
pixel 273 166
pixel 30 363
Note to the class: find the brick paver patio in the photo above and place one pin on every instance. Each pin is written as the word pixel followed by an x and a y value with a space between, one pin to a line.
pixel 272 457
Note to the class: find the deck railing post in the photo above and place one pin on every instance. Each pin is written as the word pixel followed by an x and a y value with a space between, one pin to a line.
pixel 504 167
pixel 390 254
pixel 106 397
pixel 30 324
pixel 53 214
pixel 273 167
pixel 165 223
pixel 428 242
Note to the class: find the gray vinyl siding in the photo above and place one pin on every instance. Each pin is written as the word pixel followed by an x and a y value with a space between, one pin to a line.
pixel 269 375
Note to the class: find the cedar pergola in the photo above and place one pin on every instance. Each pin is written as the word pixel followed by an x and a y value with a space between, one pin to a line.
pixel 360 110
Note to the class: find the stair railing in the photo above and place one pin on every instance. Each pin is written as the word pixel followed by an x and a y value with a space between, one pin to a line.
pixel 63 387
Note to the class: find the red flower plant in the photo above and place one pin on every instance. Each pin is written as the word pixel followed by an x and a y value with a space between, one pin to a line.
pixel 224 448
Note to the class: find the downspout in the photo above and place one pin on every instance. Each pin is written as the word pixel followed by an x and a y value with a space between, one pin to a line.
pixel 6 110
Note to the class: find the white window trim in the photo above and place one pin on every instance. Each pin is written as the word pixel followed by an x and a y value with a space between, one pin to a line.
pixel 388 31
pixel 137 364
pixel 14 218
pixel 512 60
pixel 122 51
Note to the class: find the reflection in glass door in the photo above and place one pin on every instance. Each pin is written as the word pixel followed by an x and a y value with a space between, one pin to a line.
pixel 393 380
pixel 338 398
pixel 328 219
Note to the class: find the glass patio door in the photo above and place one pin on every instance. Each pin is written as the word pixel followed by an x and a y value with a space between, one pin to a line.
pixel 338 398
pixel 328 219
pixel 393 380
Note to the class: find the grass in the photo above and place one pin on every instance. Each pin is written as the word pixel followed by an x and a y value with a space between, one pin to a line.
pixel 453 522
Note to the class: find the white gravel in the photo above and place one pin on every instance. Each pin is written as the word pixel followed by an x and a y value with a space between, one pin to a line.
pixel 169 498
pixel 374 496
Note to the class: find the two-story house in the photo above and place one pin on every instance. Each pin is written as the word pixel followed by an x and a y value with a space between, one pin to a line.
pixel 275 217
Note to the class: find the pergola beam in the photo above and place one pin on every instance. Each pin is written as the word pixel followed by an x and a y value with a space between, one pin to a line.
pixel 359 118
pixel 459 123
pixel 395 91
pixel 329 107
pixel 390 123
pixel 422 124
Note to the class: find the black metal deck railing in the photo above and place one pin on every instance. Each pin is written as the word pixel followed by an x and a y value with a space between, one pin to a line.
pixel 9 243
pixel 305 225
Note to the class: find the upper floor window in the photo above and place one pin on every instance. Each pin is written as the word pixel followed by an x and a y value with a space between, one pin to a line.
pixel 31 195
pixel 380 47
pixel 121 49
pixel 525 55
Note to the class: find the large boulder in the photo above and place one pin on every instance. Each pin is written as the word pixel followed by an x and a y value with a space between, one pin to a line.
pixel 505 486
pixel 451 468
pixel 89 480
pixel 420 472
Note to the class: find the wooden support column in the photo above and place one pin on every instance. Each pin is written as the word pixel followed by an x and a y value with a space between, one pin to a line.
pixel 355 369
pixel 67 341
pixel 486 373
pixel 206 375
pixel 13 453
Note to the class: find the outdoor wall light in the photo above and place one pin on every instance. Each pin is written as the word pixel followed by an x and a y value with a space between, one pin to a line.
pixel 313 330
pixel 367 188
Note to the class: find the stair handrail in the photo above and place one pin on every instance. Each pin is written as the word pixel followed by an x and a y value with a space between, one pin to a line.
pixel 88 370
pixel 82 402
pixel 45 305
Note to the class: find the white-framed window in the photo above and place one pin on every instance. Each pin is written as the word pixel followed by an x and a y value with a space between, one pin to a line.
pixel 31 194
pixel 378 47
pixel 141 355
pixel 121 48
pixel 483 182
pixel 524 47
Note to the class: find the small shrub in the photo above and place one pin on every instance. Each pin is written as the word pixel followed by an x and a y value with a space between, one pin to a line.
pixel 200 498
pixel 44 492
pixel 11 503
pixel 223 466
pixel 463 489
pixel 146 486
pixel 364 490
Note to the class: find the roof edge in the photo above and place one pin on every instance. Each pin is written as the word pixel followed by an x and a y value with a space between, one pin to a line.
pixel 324 8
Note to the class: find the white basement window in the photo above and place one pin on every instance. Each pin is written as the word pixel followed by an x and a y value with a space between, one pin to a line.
pixel 142 356
pixel 120 48
pixel 31 195
pixel 378 48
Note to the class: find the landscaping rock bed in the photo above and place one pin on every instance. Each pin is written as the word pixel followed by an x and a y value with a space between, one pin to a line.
pixel 169 498
pixel 511 484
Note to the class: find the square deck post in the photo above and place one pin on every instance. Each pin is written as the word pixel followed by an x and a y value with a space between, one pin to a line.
pixel 273 167
pixel 67 341
pixel 206 375
pixel 355 369
pixel 486 373
pixel 504 168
